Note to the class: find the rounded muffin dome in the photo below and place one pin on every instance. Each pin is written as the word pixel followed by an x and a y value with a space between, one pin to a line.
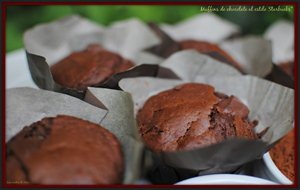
pixel 191 116
pixel 64 150
pixel 89 67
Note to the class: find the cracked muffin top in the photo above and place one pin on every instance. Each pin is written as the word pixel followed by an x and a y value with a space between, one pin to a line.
pixel 191 116
pixel 64 150
pixel 89 67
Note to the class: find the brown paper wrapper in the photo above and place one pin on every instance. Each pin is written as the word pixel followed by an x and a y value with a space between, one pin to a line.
pixel 74 33
pixel 42 77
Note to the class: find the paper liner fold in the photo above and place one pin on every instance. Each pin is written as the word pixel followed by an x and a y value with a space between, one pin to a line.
pixel 26 105
pixel 205 26
pixel 253 53
pixel 51 39
pixel 188 64
pixel 57 39
pixel 42 77
pixel 74 33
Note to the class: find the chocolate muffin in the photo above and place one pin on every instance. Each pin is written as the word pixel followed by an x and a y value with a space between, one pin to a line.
pixel 191 116
pixel 283 155
pixel 89 67
pixel 64 150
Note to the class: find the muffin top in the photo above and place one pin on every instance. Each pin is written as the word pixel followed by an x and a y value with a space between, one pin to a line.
pixel 89 67
pixel 64 150
pixel 191 116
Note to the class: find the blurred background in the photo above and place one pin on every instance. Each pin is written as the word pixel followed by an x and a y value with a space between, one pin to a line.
pixel 20 18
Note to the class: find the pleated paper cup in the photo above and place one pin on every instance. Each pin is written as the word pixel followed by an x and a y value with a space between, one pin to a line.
pixel 48 43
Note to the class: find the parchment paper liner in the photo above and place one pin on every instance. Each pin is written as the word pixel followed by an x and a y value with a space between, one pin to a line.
pixel 187 63
pixel 205 26
pixel 253 53
pixel 129 37
pixel 57 39
pixel 271 104
pixel 48 43
pixel 114 112
pixel 42 77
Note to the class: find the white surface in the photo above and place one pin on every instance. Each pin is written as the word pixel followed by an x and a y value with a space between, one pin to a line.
pixel 267 169
pixel 270 165
pixel 225 179
pixel 17 71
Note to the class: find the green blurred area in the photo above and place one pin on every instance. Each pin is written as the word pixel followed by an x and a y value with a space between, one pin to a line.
pixel 20 18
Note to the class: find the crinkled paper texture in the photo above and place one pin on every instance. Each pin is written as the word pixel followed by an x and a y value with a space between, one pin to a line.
pixel 57 39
